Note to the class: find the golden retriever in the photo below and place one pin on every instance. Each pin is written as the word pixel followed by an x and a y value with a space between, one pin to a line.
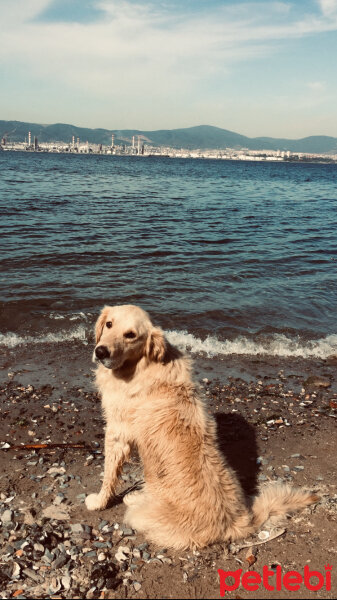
pixel 191 497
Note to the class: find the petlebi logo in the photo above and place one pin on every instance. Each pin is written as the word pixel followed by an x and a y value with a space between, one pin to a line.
pixel 275 580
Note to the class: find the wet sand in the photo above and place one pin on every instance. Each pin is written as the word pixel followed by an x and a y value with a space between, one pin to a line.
pixel 276 421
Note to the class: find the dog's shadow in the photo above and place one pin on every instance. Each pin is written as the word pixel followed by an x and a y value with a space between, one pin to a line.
pixel 237 443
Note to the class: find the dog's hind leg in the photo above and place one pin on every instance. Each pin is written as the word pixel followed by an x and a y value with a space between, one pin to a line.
pixel 132 498
pixel 147 516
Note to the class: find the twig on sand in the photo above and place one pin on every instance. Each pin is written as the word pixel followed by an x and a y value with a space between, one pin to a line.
pixel 275 534
pixel 46 446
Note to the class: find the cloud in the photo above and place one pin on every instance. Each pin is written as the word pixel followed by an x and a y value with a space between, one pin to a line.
pixel 328 7
pixel 317 86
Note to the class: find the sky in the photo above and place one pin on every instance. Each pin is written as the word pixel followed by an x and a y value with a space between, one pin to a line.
pixel 259 68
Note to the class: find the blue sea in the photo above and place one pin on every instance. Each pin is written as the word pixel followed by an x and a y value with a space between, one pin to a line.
pixel 229 257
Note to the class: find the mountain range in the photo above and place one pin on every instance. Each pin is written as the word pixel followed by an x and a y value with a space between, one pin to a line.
pixel 202 137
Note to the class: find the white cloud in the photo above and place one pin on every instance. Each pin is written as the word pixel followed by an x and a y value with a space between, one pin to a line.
pixel 317 86
pixel 328 7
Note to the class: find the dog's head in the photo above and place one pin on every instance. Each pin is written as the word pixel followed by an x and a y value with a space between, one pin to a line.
pixel 124 334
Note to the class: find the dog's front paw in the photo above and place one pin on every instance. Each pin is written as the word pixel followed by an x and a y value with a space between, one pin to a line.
pixel 95 502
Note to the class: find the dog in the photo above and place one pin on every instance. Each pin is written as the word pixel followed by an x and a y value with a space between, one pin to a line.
pixel 191 498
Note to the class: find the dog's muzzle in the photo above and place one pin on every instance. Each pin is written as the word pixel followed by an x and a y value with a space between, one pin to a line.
pixel 102 354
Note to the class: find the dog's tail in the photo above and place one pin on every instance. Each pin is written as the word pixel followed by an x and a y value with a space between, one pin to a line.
pixel 277 500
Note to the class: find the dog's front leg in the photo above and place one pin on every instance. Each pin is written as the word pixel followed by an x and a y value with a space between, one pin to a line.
pixel 117 451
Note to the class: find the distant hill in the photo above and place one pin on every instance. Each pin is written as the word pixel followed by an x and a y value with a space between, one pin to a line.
pixel 201 136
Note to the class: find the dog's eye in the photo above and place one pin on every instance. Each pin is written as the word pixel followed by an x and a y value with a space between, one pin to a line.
pixel 130 335
pixel 108 324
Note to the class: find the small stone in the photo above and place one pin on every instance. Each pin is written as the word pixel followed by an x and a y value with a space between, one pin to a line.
pixel 38 547
pixel 7 517
pixel 56 471
pixel 58 500
pixel 16 571
pixel 77 528
pixel 143 546
pixel 55 586
pixel 137 586
pixel 60 561
pixel 101 556
pixel 66 582
pixel 32 575
pixel 55 512
pixel 127 532
pixel 122 553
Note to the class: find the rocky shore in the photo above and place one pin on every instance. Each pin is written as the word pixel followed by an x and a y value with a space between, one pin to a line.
pixel 276 422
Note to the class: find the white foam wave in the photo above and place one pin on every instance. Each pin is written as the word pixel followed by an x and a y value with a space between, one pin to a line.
pixel 11 340
pixel 275 345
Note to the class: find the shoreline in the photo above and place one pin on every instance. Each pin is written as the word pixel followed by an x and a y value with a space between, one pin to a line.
pixel 306 159
pixel 275 422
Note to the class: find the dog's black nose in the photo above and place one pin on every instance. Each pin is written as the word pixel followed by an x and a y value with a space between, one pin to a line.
pixel 102 352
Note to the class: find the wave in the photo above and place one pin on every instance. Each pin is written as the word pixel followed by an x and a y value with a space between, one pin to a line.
pixel 272 345
pixel 11 340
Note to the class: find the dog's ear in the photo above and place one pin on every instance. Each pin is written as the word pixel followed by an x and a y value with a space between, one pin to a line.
pixel 155 345
pixel 100 324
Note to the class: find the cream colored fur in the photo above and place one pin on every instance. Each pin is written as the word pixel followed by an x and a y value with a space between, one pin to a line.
pixel 191 497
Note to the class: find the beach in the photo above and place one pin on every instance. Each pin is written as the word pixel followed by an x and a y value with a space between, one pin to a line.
pixel 236 263
pixel 276 421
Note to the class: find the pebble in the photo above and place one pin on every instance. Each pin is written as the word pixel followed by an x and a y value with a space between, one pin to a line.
pixel 16 571
pixel 137 586
pixel 30 573
pixel 66 582
pixel 7 517
pixel 58 500
pixel 128 532
pixel 56 471
pixel 77 528
pixel 101 556
pixel 60 561
pixel 121 555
